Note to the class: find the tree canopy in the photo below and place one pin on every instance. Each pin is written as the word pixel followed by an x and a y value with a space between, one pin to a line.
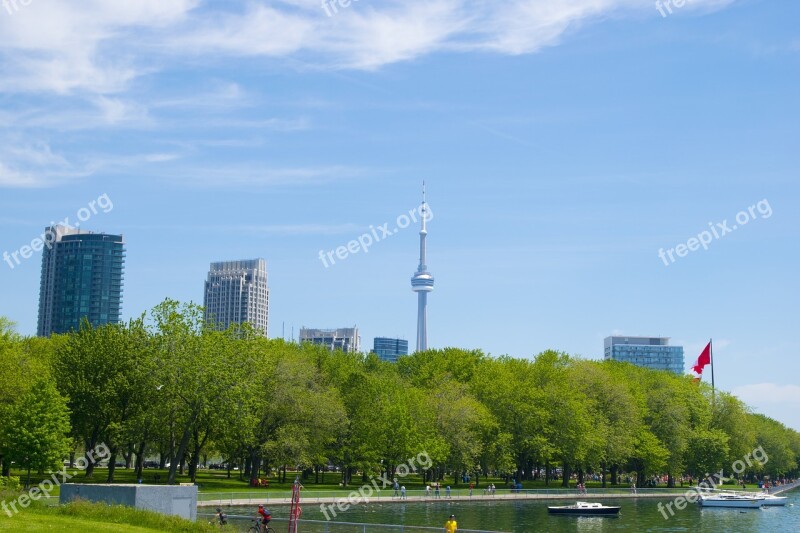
pixel 167 384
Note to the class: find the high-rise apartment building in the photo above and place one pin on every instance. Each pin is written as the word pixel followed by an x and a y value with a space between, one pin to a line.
pixel 236 292
pixel 649 352
pixel 389 349
pixel 82 274
pixel 344 339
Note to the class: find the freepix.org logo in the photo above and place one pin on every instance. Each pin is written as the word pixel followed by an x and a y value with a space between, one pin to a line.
pixel 715 232
pixel 375 485
pixel 375 235
pixel 102 204
pixel 43 489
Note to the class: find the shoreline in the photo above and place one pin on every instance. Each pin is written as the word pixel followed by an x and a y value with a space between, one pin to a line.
pixel 416 499
pixel 255 499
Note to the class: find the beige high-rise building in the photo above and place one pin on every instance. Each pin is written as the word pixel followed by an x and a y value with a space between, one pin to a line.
pixel 237 292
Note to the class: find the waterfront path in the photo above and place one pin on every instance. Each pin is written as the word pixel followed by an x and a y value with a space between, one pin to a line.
pixel 385 496
pixel 458 495
pixel 784 488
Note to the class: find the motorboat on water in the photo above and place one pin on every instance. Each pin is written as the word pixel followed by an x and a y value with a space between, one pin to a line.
pixel 584 509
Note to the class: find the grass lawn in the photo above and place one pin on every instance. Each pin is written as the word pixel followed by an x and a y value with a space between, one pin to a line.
pixel 216 481
pixel 84 516
pixel 34 522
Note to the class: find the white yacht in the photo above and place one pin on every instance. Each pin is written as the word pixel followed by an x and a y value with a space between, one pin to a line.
pixel 770 499
pixel 730 500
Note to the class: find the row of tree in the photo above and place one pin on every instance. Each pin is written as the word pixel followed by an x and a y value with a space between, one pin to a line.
pixel 167 385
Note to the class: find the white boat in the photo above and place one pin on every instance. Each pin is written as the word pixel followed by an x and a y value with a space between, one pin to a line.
pixel 770 499
pixel 766 498
pixel 730 500
pixel 585 508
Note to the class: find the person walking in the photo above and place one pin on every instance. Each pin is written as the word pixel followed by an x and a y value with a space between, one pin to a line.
pixel 222 518
pixel 451 526
pixel 403 492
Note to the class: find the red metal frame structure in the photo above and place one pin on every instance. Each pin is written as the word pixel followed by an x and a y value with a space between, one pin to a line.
pixel 295 511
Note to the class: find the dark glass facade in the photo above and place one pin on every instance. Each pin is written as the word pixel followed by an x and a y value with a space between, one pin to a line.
pixel 82 277
pixel 649 352
pixel 389 349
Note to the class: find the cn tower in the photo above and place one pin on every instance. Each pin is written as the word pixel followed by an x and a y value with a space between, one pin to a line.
pixel 422 282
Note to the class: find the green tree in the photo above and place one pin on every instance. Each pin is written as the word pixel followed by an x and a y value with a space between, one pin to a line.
pixel 37 429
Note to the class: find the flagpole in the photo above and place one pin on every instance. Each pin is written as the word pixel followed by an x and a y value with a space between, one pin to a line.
pixel 713 389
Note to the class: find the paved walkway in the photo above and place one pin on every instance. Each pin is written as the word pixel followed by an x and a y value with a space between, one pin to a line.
pixel 256 499
pixel 271 498
pixel 784 488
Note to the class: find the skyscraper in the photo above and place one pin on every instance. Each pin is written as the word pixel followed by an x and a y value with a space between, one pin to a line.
pixel 422 282
pixel 649 352
pixel 389 349
pixel 344 339
pixel 236 292
pixel 82 275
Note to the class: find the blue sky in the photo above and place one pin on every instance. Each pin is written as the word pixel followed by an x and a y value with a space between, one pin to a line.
pixel 563 143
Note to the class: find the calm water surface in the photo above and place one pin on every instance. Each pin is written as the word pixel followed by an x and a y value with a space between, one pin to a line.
pixel 532 516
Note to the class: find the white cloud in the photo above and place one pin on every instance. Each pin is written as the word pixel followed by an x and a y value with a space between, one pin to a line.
pixel 768 393
pixel 11 178
pixel 248 177
pixel 32 166
pixel 101 46
pixel 59 46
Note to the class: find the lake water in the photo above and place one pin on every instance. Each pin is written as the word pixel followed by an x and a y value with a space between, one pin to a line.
pixel 531 516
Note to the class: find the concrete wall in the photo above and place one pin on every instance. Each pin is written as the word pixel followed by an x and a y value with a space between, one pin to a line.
pixel 165 499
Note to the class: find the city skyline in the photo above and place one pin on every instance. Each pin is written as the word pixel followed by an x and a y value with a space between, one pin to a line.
pixel 586 177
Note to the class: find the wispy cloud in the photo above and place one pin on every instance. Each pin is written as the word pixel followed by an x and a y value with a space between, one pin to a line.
pixel 25 165
pixel 768 393
pixel 295 230
pixel 101 46
pixel 249 176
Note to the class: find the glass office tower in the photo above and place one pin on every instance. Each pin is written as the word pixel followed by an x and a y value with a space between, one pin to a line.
pixel 649 352
pixel 82 277
pixel 389 349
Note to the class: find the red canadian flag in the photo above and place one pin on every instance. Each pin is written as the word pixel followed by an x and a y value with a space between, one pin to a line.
pixel 703 360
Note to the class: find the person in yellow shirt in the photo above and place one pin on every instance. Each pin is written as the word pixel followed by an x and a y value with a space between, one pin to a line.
pixel 451 526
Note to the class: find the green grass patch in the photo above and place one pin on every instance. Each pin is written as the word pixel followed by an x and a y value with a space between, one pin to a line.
pixel 217 481
pixel 90 517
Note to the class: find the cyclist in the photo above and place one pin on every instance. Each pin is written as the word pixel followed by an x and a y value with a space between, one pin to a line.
pixel 265 516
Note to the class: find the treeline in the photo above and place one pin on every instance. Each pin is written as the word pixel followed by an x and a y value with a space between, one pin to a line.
pixel 166 385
